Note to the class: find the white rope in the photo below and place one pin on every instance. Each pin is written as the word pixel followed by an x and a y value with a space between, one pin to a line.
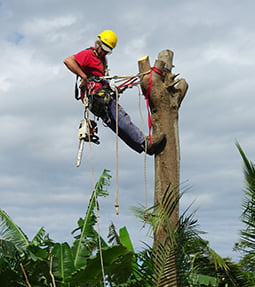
pixel 145 149
pixel 117 154
pixel 86 115
pixel 121 78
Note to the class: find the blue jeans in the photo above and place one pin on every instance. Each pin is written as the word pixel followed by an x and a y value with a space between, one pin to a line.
pixel 127 131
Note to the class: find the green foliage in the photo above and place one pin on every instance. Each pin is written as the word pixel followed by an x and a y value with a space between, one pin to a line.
pixel 63 261
pixel 204 280
pixel 10 232
pixel 90 261
pixel 42 260
pixel 184 250
pixel 247 241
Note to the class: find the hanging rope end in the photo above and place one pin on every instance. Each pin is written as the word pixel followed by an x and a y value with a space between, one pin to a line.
pixel 116 208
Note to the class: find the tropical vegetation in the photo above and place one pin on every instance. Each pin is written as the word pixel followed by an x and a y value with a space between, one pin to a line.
pixel 93 261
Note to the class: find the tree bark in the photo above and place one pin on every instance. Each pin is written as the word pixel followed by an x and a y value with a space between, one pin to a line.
pixel 165 99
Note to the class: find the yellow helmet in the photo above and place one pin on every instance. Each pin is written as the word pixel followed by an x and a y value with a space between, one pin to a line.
pixel 109 38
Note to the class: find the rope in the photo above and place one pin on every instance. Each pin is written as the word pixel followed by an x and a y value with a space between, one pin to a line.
pixel 86 116
pixel 145 149
pixel 132 80
pixel 147 100
pixel 117 155
pixel 97 214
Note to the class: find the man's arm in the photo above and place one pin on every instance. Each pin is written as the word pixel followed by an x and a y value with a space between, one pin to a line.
pixel 73 66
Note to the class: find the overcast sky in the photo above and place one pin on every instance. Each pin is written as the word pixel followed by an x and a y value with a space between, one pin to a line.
pixel 213 45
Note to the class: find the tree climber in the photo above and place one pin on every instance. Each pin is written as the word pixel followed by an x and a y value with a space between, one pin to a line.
pixel 89 65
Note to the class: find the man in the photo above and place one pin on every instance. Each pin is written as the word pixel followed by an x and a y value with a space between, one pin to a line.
pixel 91 63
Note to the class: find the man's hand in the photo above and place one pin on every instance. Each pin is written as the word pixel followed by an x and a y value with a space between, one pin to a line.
pixel 73 66
pixel 84 83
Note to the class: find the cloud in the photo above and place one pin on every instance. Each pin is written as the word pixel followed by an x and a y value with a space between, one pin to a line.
pixel 213 50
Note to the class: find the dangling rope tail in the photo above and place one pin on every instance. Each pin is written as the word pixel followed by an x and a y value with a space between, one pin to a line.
pixel 129 83
pixel 117 155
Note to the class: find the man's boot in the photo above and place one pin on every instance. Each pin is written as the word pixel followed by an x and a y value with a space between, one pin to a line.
pixel 157 145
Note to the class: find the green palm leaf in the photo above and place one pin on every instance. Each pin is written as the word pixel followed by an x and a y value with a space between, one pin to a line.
pixel 9 231
pixel 247 242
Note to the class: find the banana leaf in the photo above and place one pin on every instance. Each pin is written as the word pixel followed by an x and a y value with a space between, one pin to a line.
pixel 9 231
pixel 63 263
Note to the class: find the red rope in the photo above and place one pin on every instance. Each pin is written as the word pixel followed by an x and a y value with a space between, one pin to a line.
pixel 147 101
pixel 128 82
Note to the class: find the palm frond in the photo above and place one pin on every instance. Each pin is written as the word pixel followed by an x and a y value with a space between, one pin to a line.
pixel 146 216
pixel 164 264
pixel 247 241
pixel 249 168
pixel 176 257
pixel 219 262
pixel 171 199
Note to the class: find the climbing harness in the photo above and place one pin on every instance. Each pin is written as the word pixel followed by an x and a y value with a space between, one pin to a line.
pixel 97 101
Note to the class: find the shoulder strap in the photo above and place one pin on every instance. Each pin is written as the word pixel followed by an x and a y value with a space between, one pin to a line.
pixel 76 90
pixel 103 61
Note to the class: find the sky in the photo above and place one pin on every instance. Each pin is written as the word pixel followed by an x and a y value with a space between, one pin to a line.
pixel 213 45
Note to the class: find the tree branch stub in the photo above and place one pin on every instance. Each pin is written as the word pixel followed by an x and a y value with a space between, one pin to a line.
pixel 167 57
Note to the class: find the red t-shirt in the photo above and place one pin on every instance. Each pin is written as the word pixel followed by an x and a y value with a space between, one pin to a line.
pixel 89 62
pixel 90 65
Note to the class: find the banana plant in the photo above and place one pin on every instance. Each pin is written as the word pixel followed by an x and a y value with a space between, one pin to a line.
pixel 42 262
pixel 10 232
pixel 91 261
pixel 19 256
pixel 76 264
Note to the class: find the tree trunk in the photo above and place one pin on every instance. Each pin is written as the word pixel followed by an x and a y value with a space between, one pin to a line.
pixel 165 99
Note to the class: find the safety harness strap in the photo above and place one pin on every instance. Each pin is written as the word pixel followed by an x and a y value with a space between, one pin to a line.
pixel 76 90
